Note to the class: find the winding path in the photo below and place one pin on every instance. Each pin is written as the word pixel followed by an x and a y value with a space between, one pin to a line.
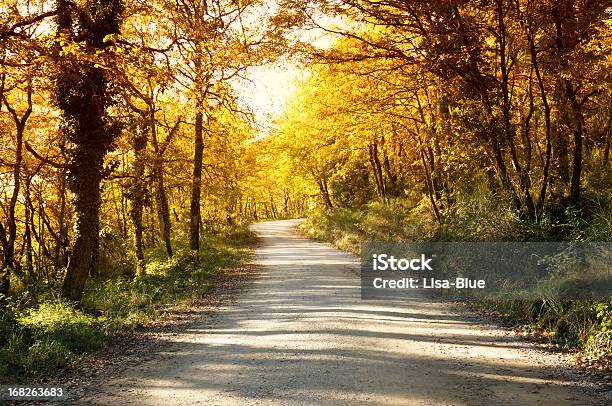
pixel 300 334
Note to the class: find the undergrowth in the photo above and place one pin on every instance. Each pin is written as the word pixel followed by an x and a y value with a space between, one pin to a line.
pixel 479 215
pixel 38 337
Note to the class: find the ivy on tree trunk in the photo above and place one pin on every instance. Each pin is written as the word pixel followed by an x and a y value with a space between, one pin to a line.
pixel 83 95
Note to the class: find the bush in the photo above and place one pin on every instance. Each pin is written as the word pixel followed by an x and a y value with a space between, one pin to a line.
pixel 600 226
pixel 480 214
pixel 338 227
pixel 237 235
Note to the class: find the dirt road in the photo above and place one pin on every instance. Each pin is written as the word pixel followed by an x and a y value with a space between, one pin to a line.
pixel 300 334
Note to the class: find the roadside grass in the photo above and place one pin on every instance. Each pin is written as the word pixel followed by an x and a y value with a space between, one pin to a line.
pixel 41 337
pixel 581 326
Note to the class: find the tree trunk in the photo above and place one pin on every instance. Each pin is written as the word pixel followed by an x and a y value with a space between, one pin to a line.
pixel 60 256
pixel 139 144
pixel 9 234
pixel 498 156
pixel 196 188
pixel 547 122
pixel 578 121
pixel 39 236
pixel 430 188
pixel 377 171
pixel 390 175
pixel 272 206
pixel 163 209
pixel 560 150
pixel 325 192
pixel 506 109
pixel 83 96
pixel 567 38
pixel 27 234
pixel 86 175
pixel 161 198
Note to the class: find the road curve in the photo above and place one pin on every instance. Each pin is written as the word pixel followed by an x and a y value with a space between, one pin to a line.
pixel 301 335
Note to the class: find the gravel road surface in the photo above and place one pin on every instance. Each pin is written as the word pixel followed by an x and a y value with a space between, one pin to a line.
pixel 301 335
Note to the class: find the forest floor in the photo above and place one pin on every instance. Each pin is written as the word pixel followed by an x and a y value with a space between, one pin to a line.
pixel 299 333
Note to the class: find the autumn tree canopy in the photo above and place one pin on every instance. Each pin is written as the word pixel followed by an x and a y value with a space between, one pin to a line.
pixel 123 128
pixel 423 97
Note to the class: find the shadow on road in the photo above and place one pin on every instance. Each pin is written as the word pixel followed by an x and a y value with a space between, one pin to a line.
pixel 302 335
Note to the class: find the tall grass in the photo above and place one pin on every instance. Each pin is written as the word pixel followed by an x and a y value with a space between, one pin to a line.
pixel 42 336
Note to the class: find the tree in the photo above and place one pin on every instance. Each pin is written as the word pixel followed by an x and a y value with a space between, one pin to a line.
pixel 215 47
pixel 8 234
pixel 84 95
